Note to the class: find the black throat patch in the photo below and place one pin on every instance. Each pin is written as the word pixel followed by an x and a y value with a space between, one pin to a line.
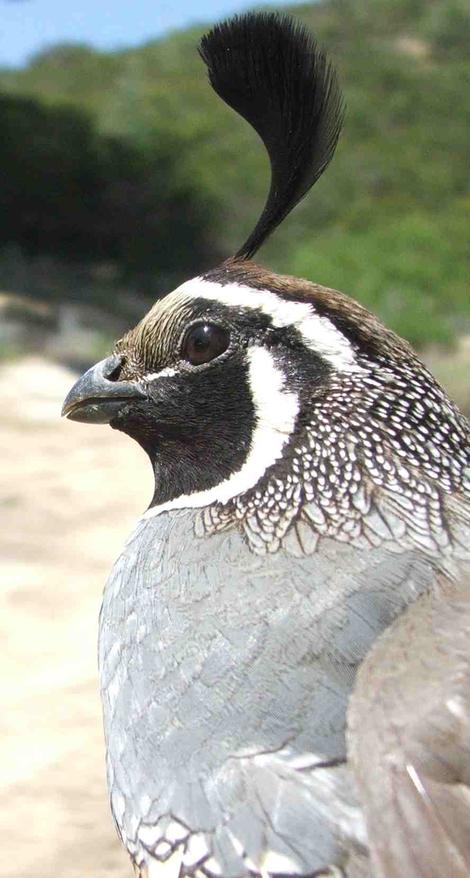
pixel 195 434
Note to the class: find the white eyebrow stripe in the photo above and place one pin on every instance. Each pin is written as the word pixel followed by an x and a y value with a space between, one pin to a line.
pixel 168 372
pixel 318 332
pixel 276 411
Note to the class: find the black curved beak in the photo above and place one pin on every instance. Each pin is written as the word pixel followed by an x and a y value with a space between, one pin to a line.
pixel 98 395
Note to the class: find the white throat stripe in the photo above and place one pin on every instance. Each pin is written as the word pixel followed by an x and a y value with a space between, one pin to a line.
pixel 318 333
pixel 275 411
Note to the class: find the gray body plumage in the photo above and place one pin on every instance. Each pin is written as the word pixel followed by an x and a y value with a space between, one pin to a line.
pixel 225 682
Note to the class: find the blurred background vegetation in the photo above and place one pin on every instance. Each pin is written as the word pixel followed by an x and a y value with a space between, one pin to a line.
pixel 123 174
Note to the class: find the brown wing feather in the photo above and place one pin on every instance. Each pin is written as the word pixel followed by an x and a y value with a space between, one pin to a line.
pixel 409 740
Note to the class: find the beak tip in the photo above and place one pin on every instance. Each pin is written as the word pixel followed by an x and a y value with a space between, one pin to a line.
pixel 96 399
pixel 68 402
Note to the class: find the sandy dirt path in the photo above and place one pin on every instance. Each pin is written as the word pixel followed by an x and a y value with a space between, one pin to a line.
pixel 69 496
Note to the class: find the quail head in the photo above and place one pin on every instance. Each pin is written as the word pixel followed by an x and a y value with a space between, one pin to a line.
pixel 311 490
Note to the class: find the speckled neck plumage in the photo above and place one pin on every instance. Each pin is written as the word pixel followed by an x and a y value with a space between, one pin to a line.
pixel 383 459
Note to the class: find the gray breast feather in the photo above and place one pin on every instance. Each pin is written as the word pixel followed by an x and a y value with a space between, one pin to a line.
pixel 220 669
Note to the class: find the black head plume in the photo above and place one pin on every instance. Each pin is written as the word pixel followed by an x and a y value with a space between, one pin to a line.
pixel 269 69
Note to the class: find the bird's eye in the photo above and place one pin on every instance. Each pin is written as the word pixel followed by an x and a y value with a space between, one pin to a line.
pixel 204 342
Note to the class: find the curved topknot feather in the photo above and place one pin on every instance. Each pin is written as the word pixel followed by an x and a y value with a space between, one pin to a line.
pixel 269 69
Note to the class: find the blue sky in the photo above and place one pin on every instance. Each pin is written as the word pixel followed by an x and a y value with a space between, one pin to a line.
pixel 29 25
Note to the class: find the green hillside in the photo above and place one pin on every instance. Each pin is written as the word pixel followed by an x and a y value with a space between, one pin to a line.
pixel 125 168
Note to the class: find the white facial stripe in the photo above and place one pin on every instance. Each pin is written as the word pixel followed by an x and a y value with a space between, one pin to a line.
pixel 318 333
pixel 168 372
pixel 276 410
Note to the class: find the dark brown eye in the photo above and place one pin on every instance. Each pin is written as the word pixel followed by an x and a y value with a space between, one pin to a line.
pixel 204 342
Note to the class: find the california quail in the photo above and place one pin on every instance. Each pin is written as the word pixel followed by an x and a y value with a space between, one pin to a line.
pixel 311 508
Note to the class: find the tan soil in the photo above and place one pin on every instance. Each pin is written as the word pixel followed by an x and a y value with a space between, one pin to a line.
pixel 69 496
